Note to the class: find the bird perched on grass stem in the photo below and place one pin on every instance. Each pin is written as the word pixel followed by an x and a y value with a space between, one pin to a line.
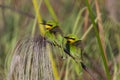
pixel 53 32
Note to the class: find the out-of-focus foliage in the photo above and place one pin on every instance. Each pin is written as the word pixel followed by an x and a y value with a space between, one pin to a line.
pixel 16 22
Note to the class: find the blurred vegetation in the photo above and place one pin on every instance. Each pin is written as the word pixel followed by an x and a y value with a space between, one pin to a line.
pixel 17 20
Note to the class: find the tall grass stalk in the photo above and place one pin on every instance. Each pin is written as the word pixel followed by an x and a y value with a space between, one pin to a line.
pixel 55 72
pixel 99 41
pixel 38 15
pixel 36 7
pixel 34 27
pixel 67 69
pixel 36 18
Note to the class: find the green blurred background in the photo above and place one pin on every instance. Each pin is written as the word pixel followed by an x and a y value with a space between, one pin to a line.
pixel 17 21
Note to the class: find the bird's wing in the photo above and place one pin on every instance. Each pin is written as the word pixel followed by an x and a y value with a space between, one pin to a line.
pixel 78 43
pixel 56 29
pixel 68 53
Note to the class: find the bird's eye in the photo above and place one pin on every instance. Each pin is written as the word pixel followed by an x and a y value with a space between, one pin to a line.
pixel 49 24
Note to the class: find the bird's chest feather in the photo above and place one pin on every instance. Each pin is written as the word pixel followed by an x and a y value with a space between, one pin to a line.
pixel 75 50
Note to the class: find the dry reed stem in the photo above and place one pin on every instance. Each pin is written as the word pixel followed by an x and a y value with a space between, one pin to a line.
pixel 101 31
pixel 86 20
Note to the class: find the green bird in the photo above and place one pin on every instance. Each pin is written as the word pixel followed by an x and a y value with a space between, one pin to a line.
pixel 54 34
pixel 73 43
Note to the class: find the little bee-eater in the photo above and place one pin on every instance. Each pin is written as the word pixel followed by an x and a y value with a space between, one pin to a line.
pixel 53 31
pixel 73 44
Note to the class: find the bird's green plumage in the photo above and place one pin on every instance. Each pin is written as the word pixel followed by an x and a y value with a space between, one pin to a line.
pixel 74 45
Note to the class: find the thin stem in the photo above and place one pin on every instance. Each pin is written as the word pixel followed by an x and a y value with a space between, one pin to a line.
pixel 38 15
pixel 77 20
pixel 88 30
pixel 35 21
pixel 55 71
pixel 101 32
pixel 67 69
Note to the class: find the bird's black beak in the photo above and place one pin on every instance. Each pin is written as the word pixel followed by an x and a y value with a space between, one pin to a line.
pixel 43 22
pixel 66 37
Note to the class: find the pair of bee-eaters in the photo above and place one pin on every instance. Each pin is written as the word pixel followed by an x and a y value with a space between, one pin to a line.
pixel 72 44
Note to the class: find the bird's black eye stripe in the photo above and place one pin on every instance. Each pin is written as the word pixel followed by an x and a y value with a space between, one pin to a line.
pixel 49 24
